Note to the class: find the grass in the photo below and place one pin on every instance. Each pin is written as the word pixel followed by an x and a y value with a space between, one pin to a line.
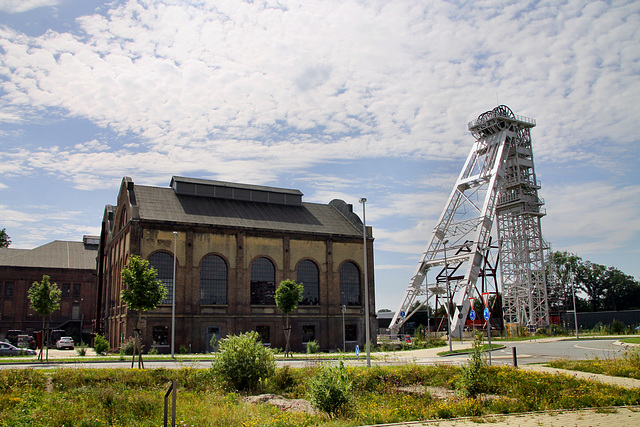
pixel 634 340
pixel 119 397
pixel 628 365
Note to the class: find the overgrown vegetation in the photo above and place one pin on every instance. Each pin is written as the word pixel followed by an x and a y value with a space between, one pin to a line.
pixel 628 365
pixel 103 397
pixel 330 389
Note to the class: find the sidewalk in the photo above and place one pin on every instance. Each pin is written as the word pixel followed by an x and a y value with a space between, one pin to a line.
pixel 610 417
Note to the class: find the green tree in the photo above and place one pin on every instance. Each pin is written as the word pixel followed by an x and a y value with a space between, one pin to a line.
pixel 591 279
pixel 142 291
pixel 288 295
pixel 622 291
pixel 45 299
pixel 5 241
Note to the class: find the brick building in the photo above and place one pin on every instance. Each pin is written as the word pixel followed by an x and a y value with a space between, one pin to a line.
pixel 71 265
pixel 235 243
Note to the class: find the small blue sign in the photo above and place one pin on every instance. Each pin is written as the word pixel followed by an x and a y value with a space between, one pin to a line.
pixel 472 315
pixel 402 314
pixel 357 351
pixel 486 314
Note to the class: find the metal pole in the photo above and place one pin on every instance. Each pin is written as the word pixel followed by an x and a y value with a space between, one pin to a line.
pixel 446 275
pixel 344 336
pixel 173 296
pixel 367 325
pixel 575 311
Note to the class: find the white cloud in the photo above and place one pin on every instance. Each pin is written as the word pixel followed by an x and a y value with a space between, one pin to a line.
pixel 19 6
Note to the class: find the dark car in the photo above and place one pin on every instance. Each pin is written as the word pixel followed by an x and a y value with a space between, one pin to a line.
pixel 7 349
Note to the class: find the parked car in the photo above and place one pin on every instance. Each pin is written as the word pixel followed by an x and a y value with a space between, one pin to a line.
pixel 7 349
pixel 65 342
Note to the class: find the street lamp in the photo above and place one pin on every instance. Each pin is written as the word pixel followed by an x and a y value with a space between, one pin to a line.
pixel 173 296
pixel 575 310
pixel 367 326
pixel 446 276
pixel 344 332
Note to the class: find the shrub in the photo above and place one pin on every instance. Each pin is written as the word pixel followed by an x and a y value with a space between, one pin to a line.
pixel 473 379
pixel 100 344
pixel 617 327
pixel 243 363
pixel 313 347
pixel 330 389
pixel 183 349
pixel 81 349
pixel 127 346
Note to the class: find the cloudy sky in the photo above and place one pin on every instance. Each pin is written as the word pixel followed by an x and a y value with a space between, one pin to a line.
pixel 339 99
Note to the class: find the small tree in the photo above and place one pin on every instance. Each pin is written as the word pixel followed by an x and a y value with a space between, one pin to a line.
pixel 288 295
pixel 142 291
pixel 5 241
pixel 45 299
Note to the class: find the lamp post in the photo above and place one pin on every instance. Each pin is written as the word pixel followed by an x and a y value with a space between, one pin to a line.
pixel 575 310
pixel 367 326
pixel 344 338
pixel 446 276
pixel 173 296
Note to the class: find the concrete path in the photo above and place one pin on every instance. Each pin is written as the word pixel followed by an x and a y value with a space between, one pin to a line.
pixel 609 417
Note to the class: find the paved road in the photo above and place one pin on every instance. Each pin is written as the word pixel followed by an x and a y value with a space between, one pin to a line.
pixel 527 352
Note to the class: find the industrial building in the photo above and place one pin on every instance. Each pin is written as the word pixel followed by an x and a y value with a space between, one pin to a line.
pixel 233 244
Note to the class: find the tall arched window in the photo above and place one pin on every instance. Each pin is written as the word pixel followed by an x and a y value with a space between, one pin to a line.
pixel 163 263
pixel 349 284
pixel 309 275
pixel 263 282
pixel 213 280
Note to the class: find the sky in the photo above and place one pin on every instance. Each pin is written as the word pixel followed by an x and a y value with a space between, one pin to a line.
pixel 339 99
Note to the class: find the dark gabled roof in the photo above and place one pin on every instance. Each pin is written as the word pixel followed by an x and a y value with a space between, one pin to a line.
pixel 163 204
pixel 57 254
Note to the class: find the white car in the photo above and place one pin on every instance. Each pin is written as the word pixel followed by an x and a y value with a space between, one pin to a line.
pixel 65 342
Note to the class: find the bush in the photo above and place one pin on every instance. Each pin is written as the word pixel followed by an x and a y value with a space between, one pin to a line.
pixel 127 346
pixel 330 389
pixel 81 349
pixel 100 344
pixel 313 347
pixel 243 363
pixel 184 349
pixel 473 379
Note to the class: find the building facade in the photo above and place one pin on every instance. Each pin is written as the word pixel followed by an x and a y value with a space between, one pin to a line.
pixel 233 244
pixel 70 265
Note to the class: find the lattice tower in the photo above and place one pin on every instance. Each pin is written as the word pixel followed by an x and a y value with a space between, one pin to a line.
pixel 497 179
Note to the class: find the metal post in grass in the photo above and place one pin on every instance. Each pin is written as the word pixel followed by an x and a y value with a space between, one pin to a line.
pixel 172 391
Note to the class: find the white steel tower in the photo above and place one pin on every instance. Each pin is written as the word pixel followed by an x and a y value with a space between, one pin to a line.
pixel 498 178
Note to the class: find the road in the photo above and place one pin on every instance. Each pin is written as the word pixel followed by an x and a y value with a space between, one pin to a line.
pixel 527 352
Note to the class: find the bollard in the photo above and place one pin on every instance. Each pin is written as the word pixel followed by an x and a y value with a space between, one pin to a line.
pixel 515 358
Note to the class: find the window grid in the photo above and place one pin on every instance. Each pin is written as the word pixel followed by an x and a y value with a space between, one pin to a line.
pixel 213 280
pixel 163 263
pixel 349 284
pixel 263 282
pixel 309 275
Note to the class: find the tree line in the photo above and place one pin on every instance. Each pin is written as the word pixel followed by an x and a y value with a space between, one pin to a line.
pixel 597 287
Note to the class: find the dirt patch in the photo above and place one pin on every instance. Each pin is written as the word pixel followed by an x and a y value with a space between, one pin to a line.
pixel 291 405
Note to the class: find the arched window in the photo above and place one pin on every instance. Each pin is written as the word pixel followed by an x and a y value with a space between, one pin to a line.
pixel 213 280
pixel 163 263
pixel 349 284
pixel 309 275
pixel 263 282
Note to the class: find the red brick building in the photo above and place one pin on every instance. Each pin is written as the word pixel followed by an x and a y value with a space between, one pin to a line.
pixel 235 243
pixel 71 265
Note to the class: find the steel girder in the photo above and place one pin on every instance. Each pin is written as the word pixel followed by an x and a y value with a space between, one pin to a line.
pixel 461 239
